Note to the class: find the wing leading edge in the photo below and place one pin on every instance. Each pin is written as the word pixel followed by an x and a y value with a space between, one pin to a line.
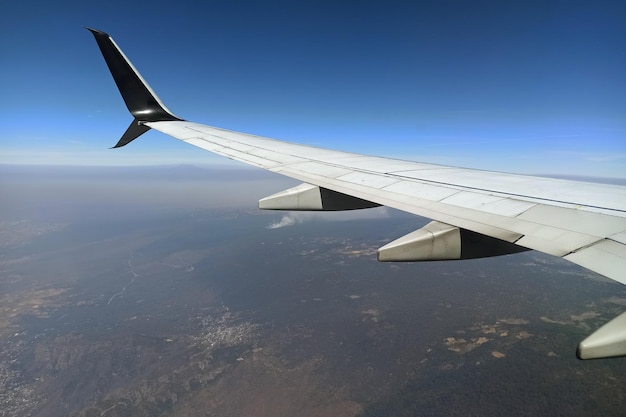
pixel 476 213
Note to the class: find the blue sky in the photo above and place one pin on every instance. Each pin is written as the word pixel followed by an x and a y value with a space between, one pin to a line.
pixel 523 86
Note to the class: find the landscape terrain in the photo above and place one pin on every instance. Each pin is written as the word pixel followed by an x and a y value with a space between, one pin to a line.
pixel 166 292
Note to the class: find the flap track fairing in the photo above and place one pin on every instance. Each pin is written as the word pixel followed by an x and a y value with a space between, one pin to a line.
pixel 442 242
pixel 307 197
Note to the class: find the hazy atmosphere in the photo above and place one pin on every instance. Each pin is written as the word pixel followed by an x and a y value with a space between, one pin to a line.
pixel 144 281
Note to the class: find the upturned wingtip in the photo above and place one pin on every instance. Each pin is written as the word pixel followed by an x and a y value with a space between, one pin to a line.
pixel 95 31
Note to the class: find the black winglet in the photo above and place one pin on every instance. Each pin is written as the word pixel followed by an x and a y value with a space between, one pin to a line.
pixel 140 100
pixel 136 129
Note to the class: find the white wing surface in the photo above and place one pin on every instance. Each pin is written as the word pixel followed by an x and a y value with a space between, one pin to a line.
pixel 475 213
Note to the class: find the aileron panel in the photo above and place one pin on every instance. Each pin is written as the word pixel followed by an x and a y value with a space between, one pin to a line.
pixel 606 257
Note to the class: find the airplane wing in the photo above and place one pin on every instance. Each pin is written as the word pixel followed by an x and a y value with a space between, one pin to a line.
pixel 475 213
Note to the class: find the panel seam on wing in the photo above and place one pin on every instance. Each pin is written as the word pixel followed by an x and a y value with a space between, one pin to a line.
pixel 586 246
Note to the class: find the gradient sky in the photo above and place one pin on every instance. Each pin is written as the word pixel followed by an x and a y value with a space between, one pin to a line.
pixel 523 86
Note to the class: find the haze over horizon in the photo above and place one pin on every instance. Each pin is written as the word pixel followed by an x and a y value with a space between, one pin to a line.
pixel 145 280
pixel 533 87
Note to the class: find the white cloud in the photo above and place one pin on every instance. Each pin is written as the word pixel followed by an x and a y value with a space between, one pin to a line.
pixel 287 220
pixel 298 217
